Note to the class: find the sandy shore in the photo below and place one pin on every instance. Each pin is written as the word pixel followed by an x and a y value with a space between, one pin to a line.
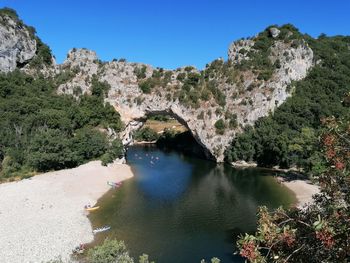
pixel 43 217
pixel 303 190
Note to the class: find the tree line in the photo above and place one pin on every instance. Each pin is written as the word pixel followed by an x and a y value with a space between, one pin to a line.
pixel 41 130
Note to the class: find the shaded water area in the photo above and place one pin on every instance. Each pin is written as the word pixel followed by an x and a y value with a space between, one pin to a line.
pixel 183 209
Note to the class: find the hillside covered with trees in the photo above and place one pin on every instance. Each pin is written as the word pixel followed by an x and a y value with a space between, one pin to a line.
pixel 43 131
pixel 289 136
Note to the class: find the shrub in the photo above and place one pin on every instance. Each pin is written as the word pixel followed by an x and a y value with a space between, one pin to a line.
pixel 220 126
pixel 146 134
pixel 140 72
pixel 147 85
pixel 181 76
pixel 115 151
pixel 99 89
pixel 110 251
pixel 320 231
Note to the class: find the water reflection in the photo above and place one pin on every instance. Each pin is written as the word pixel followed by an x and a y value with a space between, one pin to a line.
pixel 180 209
pixel 162 176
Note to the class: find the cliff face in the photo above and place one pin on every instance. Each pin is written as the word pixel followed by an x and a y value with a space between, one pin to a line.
pixel 246 96
pixel 215 103
pixel 17 45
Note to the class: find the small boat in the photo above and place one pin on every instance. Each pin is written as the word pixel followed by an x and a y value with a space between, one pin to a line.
pixel 101 229
pixel 92 208
pixel 113 184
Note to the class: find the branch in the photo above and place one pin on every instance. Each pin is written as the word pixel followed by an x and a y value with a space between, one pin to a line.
pixel 295 251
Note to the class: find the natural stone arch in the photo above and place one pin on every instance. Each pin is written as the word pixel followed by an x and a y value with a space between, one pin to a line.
pixel 132 103
pixel 137 123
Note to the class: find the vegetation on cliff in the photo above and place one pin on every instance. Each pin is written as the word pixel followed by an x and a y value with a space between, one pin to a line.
pixel 43 55
pixel 289 136
pixel 41 131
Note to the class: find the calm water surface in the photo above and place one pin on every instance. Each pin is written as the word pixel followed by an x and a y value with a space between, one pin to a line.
pixel 182 209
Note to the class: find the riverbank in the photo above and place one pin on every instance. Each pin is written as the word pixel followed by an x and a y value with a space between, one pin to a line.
pixel 43 217
pixel 303 189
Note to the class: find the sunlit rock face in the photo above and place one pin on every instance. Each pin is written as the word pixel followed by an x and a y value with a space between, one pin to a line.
pixel 243 93
pixel 17 45
pixel 134 105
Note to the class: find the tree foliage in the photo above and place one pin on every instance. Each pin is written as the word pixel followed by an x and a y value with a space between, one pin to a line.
pixel 146 134
pixel 318 232
pixel 288 137
pixel 41 131
pixel 113 251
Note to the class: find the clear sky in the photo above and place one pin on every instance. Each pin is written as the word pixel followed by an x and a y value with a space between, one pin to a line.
pixel 171 33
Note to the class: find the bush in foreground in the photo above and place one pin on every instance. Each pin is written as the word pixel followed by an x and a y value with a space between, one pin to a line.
pixel 113 251
pixel 319 232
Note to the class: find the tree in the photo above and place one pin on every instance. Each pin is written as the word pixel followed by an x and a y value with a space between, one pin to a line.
pixel 89 144
pixel 323 93
pixel 318 232
pixel 99 89
pixel 111 251
pixel 115 150
pixel 51 149
pixel 146 134
pixel 220 126
pixel 147 85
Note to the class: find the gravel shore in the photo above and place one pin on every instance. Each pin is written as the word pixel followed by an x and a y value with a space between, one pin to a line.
pixel 43 218
pixel 303 190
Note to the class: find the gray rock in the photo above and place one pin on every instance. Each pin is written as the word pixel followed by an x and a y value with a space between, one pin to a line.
pixel 17 46
pixel 238 50
pixel 274 32
pixel 246 96
pixel 125 93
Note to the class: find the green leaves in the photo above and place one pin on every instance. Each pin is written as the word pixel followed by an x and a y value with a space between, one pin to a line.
pixel 320 231
pixel 220 126
pixel 289 136
pixel 146 134
pixel 40 130
pixel 318 224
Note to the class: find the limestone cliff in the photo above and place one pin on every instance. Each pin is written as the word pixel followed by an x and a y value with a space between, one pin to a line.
pixel 215 103
pixel 17 45
pixel 245 97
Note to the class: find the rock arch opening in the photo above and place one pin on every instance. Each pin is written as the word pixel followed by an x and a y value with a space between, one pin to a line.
pixel 168 131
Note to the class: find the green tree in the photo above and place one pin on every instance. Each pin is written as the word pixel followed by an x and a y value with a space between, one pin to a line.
pixel 146 134
pixel 51 149
pixel 111 251
pixel 89 144
pixel 98 88
pixel 220 126
pixel 115 150
pixel 320 231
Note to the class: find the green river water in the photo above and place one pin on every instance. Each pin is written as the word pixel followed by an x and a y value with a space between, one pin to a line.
pixel 183 209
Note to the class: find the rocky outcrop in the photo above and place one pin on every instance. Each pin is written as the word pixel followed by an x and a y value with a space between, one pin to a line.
pixel 249 98
pixel 17 45
pixel 238 51
pixel 274 32
pixel 230 94
pixel 294 63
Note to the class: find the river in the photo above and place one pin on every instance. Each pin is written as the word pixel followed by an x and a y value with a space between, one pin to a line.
pixel 183 209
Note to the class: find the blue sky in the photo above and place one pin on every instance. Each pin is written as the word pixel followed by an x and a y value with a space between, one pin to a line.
pixel 169 33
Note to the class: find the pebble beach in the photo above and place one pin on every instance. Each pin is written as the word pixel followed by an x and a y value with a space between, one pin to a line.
pixel 43 218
